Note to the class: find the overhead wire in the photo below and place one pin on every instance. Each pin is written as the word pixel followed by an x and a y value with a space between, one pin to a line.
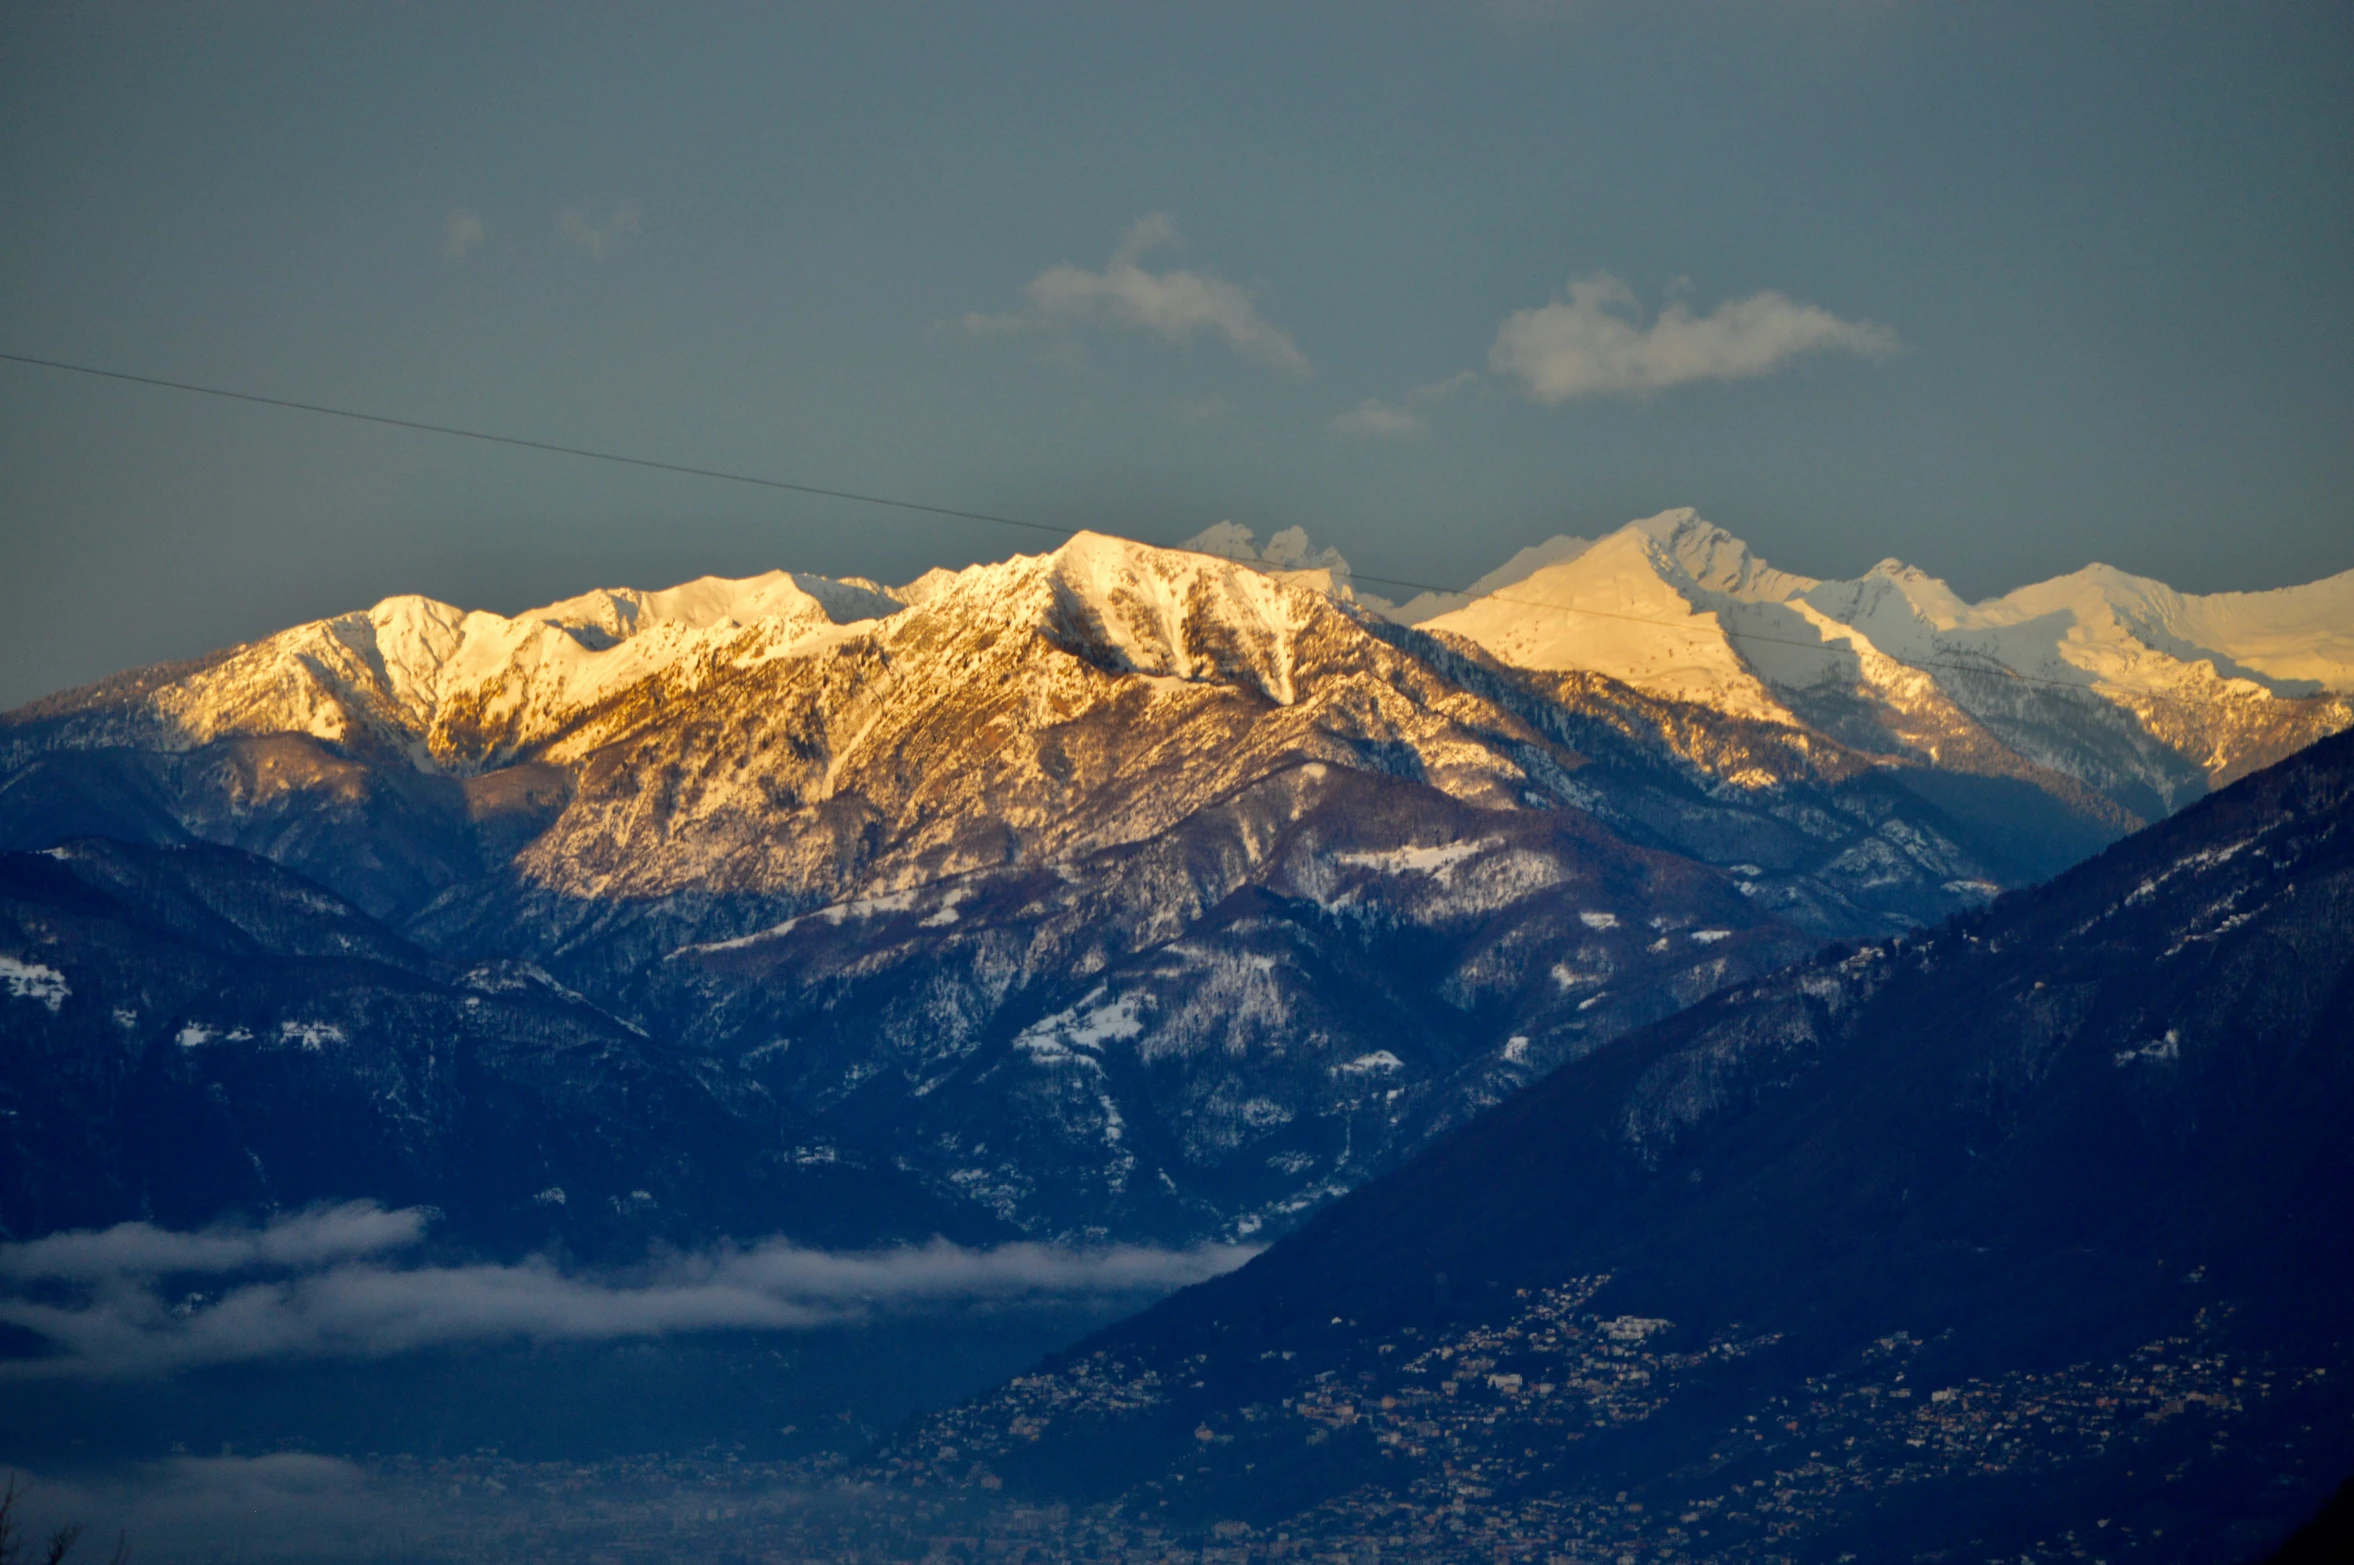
pixel 548 446
pixel 954 513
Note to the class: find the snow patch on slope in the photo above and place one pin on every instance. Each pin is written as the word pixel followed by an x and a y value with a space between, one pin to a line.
pixel 1437 862
pixel 35 981
pixel 1077 1036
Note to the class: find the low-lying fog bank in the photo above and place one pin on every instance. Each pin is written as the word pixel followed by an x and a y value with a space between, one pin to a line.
pixel 328 1385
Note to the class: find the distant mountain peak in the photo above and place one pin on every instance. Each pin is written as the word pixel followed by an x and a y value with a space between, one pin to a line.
pixel 2172 693
pixel 1527 562
pixel 459 690
pixel 621 612
pixel 1290 555
pixel 1624 607
pixel 1689 546
pixel 1165 613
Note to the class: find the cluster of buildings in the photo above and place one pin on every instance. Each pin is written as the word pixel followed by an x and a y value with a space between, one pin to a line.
pixel 1487 1444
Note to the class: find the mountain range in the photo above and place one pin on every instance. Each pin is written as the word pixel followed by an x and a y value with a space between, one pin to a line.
pixel 1112 892
pixel 2149 695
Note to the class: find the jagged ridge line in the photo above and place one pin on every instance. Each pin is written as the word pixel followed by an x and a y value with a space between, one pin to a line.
pixel 822 492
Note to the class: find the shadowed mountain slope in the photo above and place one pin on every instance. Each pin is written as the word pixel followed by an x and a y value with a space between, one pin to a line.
pixel 1964 1240
pixel 192 1030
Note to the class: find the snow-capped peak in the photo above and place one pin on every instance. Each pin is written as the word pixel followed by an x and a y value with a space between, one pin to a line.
pixel 1289 550
pixel 1687 545
pixel 1171 613
pixel 459 690
pixel 1633 605
pixel 1895 603
pixel 1556 550
pixel 617 613
pixel 1290 555
pixel 2137 690
pixel 1677 606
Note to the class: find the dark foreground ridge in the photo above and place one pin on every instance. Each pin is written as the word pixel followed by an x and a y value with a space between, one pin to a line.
pixel 2027 1237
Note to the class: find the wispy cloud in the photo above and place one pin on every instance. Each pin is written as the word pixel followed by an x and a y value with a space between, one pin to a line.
pixel 461 231
pixel 1441 390
pixel 321 1284
pixel 1381 421
pixel 1594 343
pixel 1176 305
pixel 575 224
pixel 1201 410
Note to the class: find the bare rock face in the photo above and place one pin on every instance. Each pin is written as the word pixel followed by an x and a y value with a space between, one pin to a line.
pixel 1109 891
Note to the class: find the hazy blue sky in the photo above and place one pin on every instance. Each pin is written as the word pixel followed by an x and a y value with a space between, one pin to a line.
pixel 1998 289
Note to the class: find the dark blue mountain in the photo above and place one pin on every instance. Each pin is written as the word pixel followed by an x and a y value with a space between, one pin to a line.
pixel 193 1031
pixel 2030 1235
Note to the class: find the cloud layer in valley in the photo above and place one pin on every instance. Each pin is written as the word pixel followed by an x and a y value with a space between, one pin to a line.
pixel 140 1300
pixel 1176 305
pixel 1594 343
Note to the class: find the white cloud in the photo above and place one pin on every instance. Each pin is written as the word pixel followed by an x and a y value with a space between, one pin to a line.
pixel 461 231
pixel 1594 343
pixel 319 1285
pixel 1176 305
pixel 1379 420
pixel 1441 390
pixel 596 238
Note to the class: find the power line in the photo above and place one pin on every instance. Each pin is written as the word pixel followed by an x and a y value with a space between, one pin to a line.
pixel 822 492
pixel 536 445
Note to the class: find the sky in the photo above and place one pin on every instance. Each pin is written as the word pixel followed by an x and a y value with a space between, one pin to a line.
pixel 1996 289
